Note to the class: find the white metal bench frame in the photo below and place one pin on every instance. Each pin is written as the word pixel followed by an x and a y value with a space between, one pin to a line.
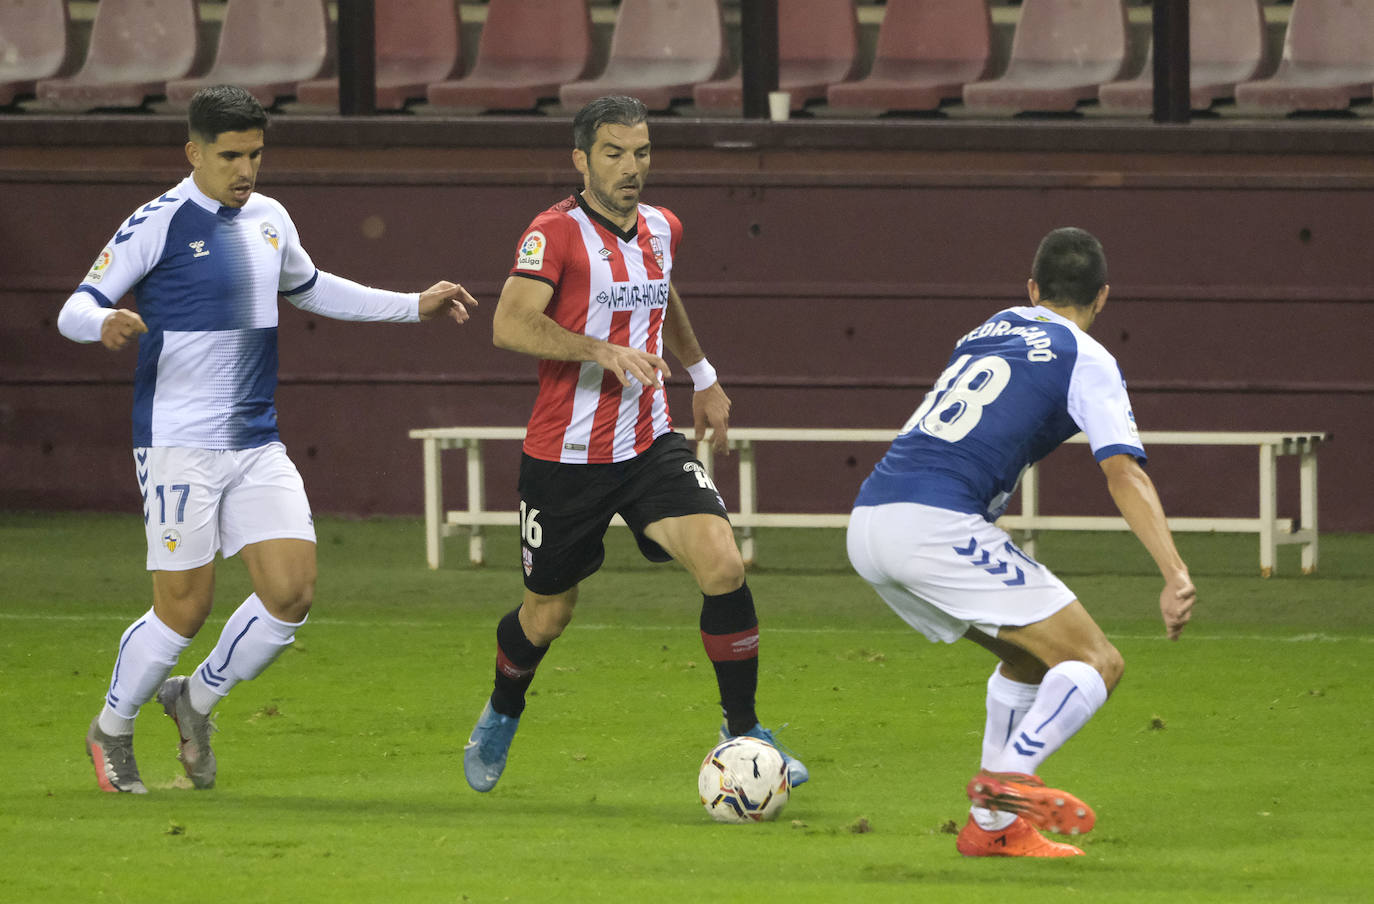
pixel 1272 530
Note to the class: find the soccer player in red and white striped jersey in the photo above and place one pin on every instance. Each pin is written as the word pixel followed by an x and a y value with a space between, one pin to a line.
pixel 591 296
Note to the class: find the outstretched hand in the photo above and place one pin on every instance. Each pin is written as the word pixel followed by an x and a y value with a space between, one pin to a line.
pixel 446 298
pixel 711 408
pixel 1176 604
pixel 121 328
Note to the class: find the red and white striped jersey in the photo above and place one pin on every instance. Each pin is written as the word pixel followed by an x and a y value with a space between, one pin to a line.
pixel 607 285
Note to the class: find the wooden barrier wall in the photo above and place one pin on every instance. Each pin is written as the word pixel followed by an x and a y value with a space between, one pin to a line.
pixel 827 267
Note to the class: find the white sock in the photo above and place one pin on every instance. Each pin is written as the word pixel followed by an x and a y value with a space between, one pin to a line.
pixel 251 639
pixel 148 650
pixel 1007 704
pixel 1069 695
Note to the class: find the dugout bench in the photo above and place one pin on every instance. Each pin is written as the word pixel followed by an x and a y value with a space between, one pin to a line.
pixel 1272 530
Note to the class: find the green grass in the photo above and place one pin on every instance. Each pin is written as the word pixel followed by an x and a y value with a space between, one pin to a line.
pixel 1228 767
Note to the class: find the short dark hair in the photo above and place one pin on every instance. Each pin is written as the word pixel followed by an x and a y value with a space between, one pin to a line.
pixel 613 109
pixel 1070 267
pixel 223 108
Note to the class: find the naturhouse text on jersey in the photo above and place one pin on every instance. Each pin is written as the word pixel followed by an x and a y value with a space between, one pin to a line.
pixel 629 297
pixel 1038 340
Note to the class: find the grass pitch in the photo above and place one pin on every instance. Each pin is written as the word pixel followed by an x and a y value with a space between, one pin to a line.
pixel 1228 767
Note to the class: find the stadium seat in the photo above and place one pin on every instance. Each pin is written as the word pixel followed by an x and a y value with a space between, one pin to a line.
pixel 660 50
pixel 1226 46
pixel 927 51
pixel 136 47
pixel 818 46
pixel 1328 60
pixel 1060 52
pixel 265 47
pixel 528 50
pixel 417 43
pixel 33 44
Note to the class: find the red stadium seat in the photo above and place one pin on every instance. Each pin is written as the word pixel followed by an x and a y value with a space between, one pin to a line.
pixel 1328 60
pixel 927 51
pixel 818 46
pixel 1226 46
pixel 33 44
pixel 136 47
pixel 265 47
pixel 660 50
pixel 528 50
pixel 1061 51
pixel 417 43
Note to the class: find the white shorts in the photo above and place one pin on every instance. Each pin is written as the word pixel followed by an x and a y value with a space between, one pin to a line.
pixel 944 572
pixel 200 501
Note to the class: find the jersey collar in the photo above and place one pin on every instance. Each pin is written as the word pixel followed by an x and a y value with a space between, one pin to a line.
pixel 625 235
pixel 204 201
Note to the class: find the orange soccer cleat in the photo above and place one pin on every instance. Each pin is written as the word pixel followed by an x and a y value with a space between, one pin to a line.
pixel 1020 839
pixel 1026 795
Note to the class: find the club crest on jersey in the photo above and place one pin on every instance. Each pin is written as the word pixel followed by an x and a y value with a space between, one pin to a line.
pixel 171 539
pixel 656 246
pixel 269 232
pixel 101 264
pixel 531 255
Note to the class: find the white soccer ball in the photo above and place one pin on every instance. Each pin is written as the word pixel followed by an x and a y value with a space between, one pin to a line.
pixel 743 780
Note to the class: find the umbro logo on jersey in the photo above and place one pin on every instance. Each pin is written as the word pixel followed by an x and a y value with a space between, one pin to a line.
pixel 198 247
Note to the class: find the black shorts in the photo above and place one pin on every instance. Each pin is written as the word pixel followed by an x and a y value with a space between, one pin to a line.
pixel 565 509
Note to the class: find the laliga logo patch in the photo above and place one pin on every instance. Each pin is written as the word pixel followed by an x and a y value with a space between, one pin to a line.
pixel 531 252
pixel 101 264
pixel 1130 417
pixel 269 232
pixel 656 246
pixel 171 539
pixel 527 558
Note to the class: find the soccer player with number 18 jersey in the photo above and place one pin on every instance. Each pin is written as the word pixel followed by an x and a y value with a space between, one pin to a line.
pixel 591 296
pixel 922 533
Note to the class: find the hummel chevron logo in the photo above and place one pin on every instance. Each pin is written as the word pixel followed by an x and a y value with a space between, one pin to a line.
pixel 1000 568
pixel 1016 581
pixel 967 551
pixel 983 559
pixel 1035 746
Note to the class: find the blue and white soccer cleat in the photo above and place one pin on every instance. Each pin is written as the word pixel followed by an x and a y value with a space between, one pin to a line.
pixel 797 773
pixel 484 757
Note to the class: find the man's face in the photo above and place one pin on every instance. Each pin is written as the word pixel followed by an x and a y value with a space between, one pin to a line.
pixel 616 167
pixel 226 169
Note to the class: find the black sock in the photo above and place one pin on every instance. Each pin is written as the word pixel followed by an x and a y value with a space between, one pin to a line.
pixel 730 633
pixel 516 660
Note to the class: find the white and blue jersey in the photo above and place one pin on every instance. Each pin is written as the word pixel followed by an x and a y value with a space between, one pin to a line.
pixel 206 279
pixel 1015 388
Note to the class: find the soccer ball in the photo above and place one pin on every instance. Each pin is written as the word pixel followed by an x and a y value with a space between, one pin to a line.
pixel 743 779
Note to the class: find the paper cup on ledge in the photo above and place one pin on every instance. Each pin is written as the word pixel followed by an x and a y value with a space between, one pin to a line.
pixel 779 105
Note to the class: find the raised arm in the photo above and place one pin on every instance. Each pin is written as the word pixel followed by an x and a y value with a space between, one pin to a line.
pixel 520 325
pixel 1135 495
pixel 710 404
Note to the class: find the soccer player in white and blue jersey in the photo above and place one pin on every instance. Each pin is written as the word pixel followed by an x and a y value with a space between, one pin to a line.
pixel 205 263
pixel 922 533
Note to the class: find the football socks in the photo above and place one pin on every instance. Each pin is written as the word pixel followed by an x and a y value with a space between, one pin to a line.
pixel 250 641
pixel 1069 695
pixel 1007 704
pixel 730 633
pixel 516 661
pixel 147 652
